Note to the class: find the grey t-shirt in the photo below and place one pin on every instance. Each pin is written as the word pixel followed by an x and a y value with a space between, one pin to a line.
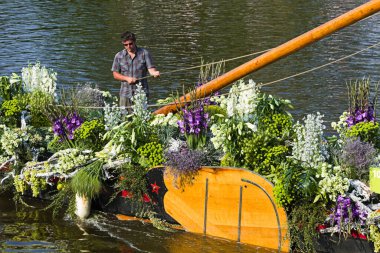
pixel 136 67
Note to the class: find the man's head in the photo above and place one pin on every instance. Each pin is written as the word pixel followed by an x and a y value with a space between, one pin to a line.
pixel 129 41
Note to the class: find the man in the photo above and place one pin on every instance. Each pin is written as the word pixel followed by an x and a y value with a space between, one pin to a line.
pixel 131 64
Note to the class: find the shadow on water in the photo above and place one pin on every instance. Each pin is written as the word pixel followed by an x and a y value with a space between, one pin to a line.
pixel 32 230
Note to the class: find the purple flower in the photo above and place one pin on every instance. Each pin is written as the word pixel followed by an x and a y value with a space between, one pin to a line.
pixel 347 213
pixel 64 127
pixel 361 115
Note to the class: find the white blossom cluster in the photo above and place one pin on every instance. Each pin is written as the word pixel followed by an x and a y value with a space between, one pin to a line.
pixel 37 77
pixel 165 120
pixel 10 140
pixel 333 181
pixel 68 159
pixel 175 145
pixel 309 145
pixel 240 105
pixel 241 100
pixel 341 126
pixel 140 104
pixel 112 115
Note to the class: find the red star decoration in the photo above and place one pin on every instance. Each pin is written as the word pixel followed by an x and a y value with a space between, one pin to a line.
pixel 155 187
pixel 146 198
pixel 126 194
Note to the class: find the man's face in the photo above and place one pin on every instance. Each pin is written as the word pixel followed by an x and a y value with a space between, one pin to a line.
pixel 129 45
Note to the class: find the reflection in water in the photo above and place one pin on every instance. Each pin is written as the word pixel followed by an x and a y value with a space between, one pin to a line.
pixel 32 230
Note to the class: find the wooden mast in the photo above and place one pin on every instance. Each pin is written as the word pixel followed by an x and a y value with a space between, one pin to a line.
pixel 281 51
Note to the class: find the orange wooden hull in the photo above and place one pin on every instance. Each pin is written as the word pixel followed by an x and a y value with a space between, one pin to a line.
pixel 231 203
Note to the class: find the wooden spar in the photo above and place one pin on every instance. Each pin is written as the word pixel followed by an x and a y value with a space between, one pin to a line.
pixel 281 51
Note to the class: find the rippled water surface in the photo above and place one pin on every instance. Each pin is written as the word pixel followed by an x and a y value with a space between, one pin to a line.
pixel 78 39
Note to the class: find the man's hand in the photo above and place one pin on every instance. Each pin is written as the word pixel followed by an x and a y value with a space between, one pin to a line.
pixel 130 80
pixel 155 73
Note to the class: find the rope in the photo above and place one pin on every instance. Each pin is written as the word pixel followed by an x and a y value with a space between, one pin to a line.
pixel 260 85
pixel 291 76
pixel 231 59
pixel 207 64
pixel 321 66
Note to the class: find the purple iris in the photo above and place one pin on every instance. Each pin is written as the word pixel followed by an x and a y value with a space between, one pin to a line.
pixel 194 120
pixel 361 115
pixel 64 127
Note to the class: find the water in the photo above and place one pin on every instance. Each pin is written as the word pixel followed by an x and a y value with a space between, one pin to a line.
pixel 78 39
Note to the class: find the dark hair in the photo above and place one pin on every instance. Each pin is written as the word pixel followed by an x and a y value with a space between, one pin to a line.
pixel 128 36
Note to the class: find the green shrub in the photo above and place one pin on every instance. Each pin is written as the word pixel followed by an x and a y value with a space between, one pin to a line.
pixel 366 131
pixel 264 151
pixel 38 102
pixel 89 135
pixel 11 111
pixel 151 154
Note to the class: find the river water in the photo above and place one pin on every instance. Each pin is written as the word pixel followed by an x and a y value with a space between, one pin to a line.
pixel 78 39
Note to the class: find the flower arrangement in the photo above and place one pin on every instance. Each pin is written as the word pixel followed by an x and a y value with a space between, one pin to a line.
pixel 315 179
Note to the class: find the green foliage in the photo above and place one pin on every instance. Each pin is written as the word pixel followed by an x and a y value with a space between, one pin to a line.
pixel 133 179
pixel 151 154
pixel 38 102
pixel 302 223
pixel 266 148
pixel 11 111
pixel 277 125
pixel 88 181
pixel 286 189
pixel 10 87
pixel 294 184
pixel 64 198
pixel 90 135
pixel 215 109
pixel 261 157
pixel 56 145
pixel 227 160
pixel 271 105
pixel 366 131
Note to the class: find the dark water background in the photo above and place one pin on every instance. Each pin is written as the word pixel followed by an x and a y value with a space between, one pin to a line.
pixel 79 38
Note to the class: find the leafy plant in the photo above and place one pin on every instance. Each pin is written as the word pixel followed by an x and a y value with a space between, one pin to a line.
pixel 11 110
pixel 88 181
pixel 89 135
pixel 10 86
pixel 302 223
pixel 366 131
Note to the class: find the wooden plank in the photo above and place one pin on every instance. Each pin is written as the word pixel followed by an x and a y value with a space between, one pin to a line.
pixel 262 223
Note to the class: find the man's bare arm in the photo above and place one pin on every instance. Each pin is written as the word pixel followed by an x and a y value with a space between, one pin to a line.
pixel 120 77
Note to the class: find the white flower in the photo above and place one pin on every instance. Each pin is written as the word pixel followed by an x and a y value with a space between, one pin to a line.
pixel 37 77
